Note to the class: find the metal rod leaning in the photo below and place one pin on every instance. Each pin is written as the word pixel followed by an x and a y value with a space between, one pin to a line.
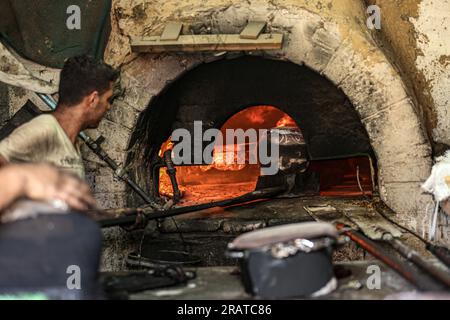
pixel 394 263
pixel 413 256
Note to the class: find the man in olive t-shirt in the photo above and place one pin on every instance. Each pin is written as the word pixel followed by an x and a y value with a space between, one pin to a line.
pixel 85 92
pixel 43 140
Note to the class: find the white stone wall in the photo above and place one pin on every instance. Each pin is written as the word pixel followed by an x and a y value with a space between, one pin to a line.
pixel 433 40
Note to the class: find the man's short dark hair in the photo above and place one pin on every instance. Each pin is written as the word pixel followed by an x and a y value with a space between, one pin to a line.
pixel 82 75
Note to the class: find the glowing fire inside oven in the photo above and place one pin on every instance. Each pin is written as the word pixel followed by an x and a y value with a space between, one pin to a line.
pixel 352 176
pixel 222 179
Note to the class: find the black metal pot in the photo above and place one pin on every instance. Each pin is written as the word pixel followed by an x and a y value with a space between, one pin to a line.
pixel 287 261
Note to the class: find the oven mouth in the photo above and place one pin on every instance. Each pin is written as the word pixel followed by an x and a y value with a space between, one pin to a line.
pixel 239 94
pixel 194 184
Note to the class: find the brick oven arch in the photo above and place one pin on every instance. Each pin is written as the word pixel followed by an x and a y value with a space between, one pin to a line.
pixel 214 92
pixel 348 58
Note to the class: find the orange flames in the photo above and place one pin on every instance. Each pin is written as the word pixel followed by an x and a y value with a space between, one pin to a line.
pixel 286 121
pixel 221 179
pixel 168 145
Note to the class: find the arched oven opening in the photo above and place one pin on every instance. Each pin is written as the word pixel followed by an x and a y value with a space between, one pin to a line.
pixel 221 179
pixel 315 122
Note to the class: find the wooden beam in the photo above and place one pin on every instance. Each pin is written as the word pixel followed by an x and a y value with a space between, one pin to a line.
pixel 252 30
pixel 209 42
pixel 171 31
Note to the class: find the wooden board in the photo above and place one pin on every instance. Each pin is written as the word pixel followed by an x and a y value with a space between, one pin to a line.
pixel 171 31
pixel 328 213
pixel 216 42
pixel 252 30
pixel 368 220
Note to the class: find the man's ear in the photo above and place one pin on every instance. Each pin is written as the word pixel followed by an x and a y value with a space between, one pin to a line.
pixel 92 99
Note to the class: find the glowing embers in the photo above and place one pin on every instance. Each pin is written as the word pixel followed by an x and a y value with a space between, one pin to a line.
pixel 222 179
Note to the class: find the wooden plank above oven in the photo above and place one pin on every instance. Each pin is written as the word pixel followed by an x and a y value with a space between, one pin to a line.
pixel 207 42
pixel 172 31
pixel 253 30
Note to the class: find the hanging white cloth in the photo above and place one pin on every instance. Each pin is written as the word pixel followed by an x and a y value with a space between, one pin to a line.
pixel 19 72
pixel 438 184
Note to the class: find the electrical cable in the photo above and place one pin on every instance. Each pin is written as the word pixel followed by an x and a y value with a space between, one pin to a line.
pixel 386 217
pixel 359 182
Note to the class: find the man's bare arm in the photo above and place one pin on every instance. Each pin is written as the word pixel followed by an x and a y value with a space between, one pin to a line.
pixel 42 183
pixel 11 187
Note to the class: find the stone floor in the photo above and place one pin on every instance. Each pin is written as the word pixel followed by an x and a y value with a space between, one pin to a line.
pixel 223 283
pixel 206 234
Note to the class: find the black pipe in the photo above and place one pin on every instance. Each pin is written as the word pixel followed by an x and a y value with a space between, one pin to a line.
pixel 158 214
pixel 443 254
